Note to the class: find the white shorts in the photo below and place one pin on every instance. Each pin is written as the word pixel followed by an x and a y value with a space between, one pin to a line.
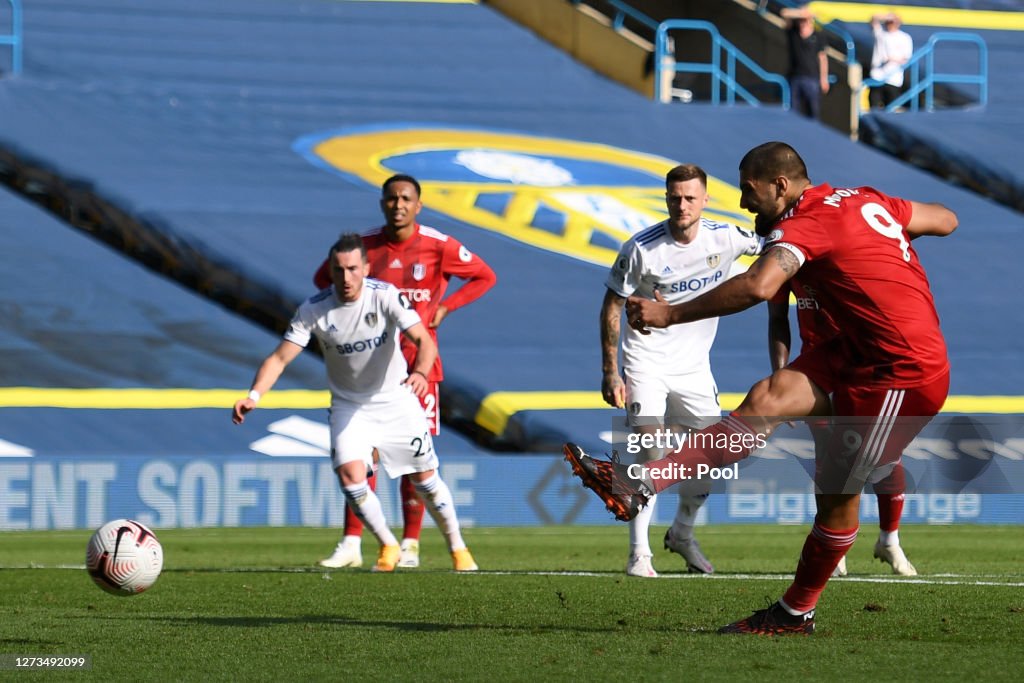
pixel 689 400
pixel 396 428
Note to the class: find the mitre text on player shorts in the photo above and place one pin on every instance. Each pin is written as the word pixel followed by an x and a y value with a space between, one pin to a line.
pixel 662 439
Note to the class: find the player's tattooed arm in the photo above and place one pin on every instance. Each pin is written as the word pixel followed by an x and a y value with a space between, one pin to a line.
pixel 613 390
pixel 785 259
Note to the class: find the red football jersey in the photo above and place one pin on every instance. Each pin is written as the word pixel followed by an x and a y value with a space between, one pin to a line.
pixel 421 267
pixel 857 258
pixel 816 326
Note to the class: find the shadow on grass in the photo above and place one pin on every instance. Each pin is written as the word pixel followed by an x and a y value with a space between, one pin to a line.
pixel 30 641
pixel 410 626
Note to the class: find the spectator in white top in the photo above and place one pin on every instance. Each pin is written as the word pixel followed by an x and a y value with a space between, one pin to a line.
pixel 893 49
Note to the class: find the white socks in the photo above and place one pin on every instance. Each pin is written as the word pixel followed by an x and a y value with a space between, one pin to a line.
pixel 889 537
pixel 367 507
pixel 686 515
pixel 682 525
pixel 438 498
pixel 639 527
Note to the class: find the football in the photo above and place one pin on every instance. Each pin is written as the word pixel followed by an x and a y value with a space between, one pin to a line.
pixel 124 557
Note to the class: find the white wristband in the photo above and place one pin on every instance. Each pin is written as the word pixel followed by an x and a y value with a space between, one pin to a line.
pixel 255 396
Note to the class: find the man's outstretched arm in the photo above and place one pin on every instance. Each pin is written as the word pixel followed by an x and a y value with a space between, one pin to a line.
pixel 931 219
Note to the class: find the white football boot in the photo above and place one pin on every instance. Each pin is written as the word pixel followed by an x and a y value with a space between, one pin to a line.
pixel 410 553
pixel 640 565
pixel 346 554
pixel 696 563
pixel 894 556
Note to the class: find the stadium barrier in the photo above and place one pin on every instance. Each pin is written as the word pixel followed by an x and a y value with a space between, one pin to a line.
pixel 958 470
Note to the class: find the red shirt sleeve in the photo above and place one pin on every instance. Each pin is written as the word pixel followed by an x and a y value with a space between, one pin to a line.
pixel 805 233
pixel 902 211
pixel 459 261
pixel 322 276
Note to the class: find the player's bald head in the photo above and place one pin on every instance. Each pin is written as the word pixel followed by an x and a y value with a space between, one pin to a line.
pixel 771 160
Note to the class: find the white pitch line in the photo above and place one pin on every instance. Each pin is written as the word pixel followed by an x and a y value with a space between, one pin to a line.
pixel 768 577
pixel 939 580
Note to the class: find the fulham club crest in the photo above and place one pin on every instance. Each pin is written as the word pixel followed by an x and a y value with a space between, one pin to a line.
pixel 419 271
pixel 713 260
pixel 371 319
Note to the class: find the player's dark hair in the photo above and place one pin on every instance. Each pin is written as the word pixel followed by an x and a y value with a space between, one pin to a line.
pixel 771 160
pixel 401 178
pixel 685 172
pixel 349 241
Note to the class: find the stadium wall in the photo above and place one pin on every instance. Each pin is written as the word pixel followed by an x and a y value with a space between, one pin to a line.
pixel 243 489
pixel 77 468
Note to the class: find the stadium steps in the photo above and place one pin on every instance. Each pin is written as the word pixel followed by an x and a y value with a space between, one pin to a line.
pixel 975 148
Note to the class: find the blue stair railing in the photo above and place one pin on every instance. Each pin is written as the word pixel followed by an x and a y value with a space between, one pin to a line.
pixel 13 39
pixel 924 83
pixel 722 78
pixel 621 10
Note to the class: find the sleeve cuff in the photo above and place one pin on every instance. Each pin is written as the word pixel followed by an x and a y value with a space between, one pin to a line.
pixel 793 249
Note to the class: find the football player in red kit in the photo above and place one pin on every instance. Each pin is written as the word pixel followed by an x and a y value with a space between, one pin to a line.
pixel 888 370
pixel 816 327
pixel 420 261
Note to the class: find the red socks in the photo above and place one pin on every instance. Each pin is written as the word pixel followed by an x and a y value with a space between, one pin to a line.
pixel 822 552
pixel 890 499
pixel 412 509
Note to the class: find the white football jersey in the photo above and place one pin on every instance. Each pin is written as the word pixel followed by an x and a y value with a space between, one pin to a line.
pixel 359 339
pixel 652 259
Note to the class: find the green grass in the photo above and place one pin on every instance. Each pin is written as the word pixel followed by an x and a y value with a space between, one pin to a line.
pixel 224 609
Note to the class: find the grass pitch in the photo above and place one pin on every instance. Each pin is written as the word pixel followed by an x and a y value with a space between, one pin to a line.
pixel 247 604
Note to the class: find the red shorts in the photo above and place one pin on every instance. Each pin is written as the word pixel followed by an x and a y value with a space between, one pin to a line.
pixel 871 427
pixel 431 402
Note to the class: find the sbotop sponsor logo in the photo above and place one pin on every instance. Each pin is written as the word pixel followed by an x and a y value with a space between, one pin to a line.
pixel 694 284
pixel 361 345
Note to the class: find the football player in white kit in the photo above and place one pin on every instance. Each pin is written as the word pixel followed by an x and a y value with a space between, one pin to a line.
pixel 373 399
pixel 668 381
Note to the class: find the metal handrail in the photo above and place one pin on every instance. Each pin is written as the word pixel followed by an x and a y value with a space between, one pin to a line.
pixel 845 36
pixel 927 84
pixel 719 77
pixel 14 37
pixel 623 10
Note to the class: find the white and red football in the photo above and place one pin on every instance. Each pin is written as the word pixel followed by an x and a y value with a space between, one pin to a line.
pixel 124 557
